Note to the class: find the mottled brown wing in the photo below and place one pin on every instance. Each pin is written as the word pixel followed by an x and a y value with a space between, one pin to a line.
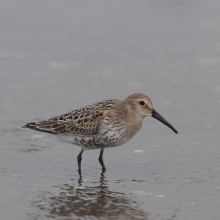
pixel 84 121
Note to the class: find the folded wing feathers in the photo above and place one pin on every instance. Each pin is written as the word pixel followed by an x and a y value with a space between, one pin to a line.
pixel 83 121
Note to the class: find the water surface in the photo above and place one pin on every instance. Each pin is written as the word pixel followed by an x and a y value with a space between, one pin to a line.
pixel 56 57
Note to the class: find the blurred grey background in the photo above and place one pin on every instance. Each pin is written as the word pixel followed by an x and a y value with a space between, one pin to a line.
pixel 56 56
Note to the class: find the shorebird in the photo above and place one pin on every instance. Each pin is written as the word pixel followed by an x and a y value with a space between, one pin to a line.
pixel 104 124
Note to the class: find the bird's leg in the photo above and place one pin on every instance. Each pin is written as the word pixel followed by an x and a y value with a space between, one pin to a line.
pixel 101 160
pixel 79 159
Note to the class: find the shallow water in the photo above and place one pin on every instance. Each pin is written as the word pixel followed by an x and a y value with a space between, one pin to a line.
pixel 56 57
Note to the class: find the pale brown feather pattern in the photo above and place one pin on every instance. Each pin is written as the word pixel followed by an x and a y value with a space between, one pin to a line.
pixel 84 121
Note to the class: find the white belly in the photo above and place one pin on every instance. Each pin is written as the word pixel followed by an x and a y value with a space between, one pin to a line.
pixel 108 136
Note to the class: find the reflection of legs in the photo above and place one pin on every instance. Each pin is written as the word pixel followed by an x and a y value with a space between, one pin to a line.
pixel 80 181
pixel 79 158
pixel 101 160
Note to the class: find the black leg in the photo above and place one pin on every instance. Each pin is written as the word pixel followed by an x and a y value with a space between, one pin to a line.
pixel 101 160
pixel 79 158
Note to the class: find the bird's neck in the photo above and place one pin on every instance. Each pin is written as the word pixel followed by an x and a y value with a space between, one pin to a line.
pixel 127 114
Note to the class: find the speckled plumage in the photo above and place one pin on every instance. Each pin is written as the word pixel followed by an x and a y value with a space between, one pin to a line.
pixel 90 127
pixel 101 125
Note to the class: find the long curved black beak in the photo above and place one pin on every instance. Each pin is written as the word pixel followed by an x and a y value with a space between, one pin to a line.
pixel 156 115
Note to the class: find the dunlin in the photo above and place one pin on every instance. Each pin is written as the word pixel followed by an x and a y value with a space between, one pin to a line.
pixel 101 125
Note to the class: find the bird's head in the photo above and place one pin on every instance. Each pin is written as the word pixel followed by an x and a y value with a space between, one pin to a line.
pixel 142 106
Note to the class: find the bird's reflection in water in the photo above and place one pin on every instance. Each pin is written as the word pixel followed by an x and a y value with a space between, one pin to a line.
pixel 90 202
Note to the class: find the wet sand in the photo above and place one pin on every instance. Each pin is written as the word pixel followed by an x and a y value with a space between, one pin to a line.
pixel 56 57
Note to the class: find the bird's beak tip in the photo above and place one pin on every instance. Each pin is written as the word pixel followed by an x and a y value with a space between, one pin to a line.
pixel 156 115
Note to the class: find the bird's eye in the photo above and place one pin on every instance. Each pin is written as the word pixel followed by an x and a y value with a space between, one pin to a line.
pixel 142 103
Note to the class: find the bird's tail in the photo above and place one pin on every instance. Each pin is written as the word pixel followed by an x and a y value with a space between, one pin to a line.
pixel 28 125
pixel 43 126
pixel 25 126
